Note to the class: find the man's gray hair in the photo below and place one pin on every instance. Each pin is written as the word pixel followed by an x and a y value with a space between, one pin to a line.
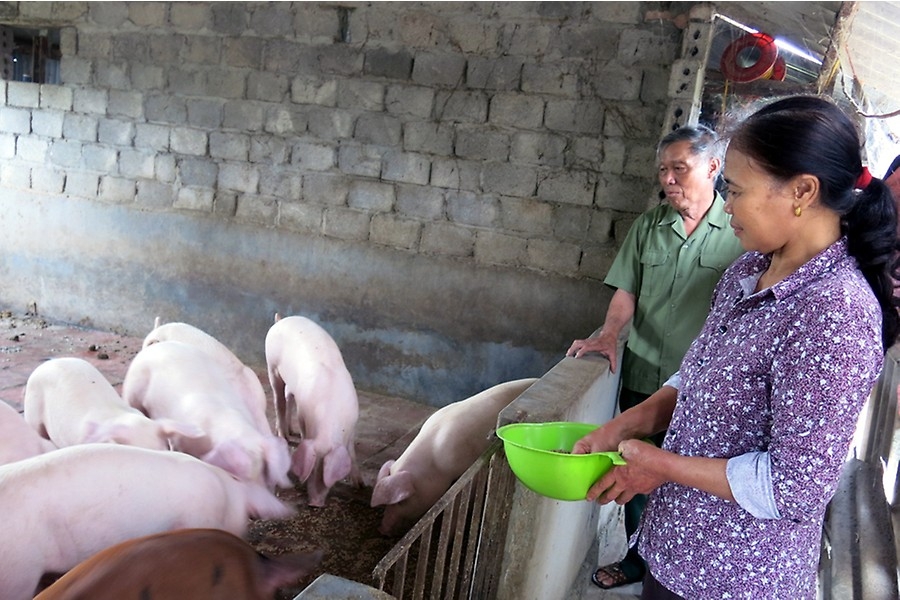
pixel 704 141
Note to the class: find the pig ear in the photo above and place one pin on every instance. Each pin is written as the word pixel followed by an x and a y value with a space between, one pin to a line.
pixel 392 489
pixel 304 460
pixel 172 428
pixel 385 470
pixel 230 457
pixel 336 466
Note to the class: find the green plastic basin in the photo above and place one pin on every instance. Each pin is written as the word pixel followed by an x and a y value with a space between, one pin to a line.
pixel 538 454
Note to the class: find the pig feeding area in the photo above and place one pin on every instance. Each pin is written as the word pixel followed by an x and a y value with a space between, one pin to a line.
pixel 346 528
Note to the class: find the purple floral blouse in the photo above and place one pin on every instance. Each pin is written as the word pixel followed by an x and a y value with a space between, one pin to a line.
pixel 783 372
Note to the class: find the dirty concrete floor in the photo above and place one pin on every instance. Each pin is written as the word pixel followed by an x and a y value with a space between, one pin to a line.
pixel 386 425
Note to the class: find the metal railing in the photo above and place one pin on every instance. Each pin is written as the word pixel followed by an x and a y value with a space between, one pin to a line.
pixel 461 558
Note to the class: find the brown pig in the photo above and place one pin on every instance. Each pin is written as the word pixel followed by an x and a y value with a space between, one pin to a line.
pixel 194 564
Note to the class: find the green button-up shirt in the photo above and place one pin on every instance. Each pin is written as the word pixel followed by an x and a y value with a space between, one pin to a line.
pixel 672 277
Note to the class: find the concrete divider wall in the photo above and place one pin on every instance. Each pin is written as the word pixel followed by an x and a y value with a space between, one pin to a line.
pixel 442 185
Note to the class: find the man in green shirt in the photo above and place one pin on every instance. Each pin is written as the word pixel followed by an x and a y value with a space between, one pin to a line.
pixel 664 276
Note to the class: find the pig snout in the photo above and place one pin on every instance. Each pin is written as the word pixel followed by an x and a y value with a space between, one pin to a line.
pixel 188 563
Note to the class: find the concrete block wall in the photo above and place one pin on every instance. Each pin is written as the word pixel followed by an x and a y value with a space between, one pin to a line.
pixel 508 140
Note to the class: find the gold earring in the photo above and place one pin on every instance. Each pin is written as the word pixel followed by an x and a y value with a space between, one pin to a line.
pixel 798 210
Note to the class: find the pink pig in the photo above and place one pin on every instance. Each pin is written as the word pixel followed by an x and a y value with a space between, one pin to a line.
pixel 314 396
pixel 243 377
pixel 180 381
pixel 64 506
pixel 18 440
pixel 447 444
pixel 68 401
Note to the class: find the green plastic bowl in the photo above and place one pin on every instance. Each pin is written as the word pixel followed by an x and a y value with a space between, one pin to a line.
pixel 538 454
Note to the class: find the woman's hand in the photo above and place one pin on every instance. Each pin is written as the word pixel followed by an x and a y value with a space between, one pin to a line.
pixel 640 476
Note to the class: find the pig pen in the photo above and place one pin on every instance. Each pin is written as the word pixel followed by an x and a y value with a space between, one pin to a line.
pixel 346 528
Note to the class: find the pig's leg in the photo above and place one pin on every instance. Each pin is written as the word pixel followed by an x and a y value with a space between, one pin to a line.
pixel 282 426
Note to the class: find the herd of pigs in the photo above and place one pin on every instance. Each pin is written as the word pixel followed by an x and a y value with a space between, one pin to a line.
pixel 149 493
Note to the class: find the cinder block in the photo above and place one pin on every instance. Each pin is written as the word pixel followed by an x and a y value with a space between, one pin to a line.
pixel 281 182
pixel 466 107
pixel 56 97
pixel 482 144
pixel 109 14
pixel 325 189
pixel 419 201
pixel 428 136
pixel 503 73
pixel 517 110
pixel 283 120
pixel 147 77
pixel 290 57
pixel 552 78
pixel 509 179
pixel 305 90
pixel 360 95
pixel 268 149
pixel 187 81
pixel 596 261
pixel 440 237
pixel 299 216
pixel 7 145
pixel 205 113
pixel 371 196
pixel 65 153
pixel 75 71
pixel 165 50
pixel 473 35
pixel 47 179
pixel 147 14
pixel 227 83
pixel 81 184
pixel 570 223
pixel 538 149
pixel 15 176
pixel 406 167
pixel 526 216
pixel 153 194
pixel 340 59
pixel 80 127
pixel 588 40
pixel 495 248
pixel 577 116
pixel 125 104
pixel 228 18
pixel 225 203
pixel 195 199
pixel 167 109
pixel 117 189
pixel 148 135
pixel 164 168
pixel 188 141
pixel 230 146
pixel 197 172
pixel 270 87
pixel 567 187
pixel 200 49
pixel 15 120
pixel 32 149
pixel 104 159
pixel 382 62
pixel 409 100
pixel 357 159
pixel 331 123
pixel 346 223
pixel 532 39
pixel 378 128
pixel 257 209
pixel 633 122
pixel 109 75
pixel 137 164
pixel 115 131
pixel 391 230
pixel 189 15
pixel 456 174
pixel 48 123
pixel 310 156
pixel 239 177
pixel 242 52
pixel 655 46
pixel 243 115
pixel 25 95
pixel 601 229
pixel 618 82
pixel 553 256
pixel 273 18
pixel 90 101
pixel 624 193
pixel 469 208
pixel 641 159
pixel 433 69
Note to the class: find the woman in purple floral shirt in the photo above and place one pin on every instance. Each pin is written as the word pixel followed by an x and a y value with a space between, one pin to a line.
pixel 761 414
